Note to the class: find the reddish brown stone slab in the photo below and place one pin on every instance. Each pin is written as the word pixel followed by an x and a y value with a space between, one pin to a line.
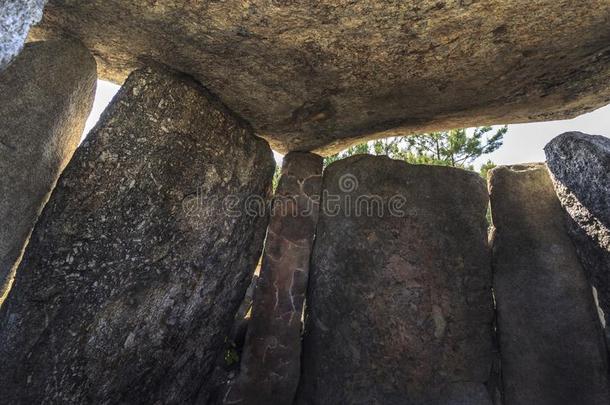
pixel 270 367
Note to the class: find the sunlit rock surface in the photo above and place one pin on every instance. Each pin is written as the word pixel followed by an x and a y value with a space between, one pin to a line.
pixel 16 18
pixel 320 74
pixel 46 95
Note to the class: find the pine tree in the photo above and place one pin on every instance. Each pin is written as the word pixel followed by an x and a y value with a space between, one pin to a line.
pixel 457 148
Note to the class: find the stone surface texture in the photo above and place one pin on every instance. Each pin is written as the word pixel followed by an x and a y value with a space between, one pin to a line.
pixel 142 255
pixel 45 98
pixel 551 343
pixel 16 18
pixel 318 75
pixel 399 305
pixel 580 170
pixel 270 366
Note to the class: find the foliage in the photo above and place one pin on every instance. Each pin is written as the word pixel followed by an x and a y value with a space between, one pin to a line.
pixel 457 148
pixel 276 177
pixel 486 168
pixel 359 149
pixel 231 356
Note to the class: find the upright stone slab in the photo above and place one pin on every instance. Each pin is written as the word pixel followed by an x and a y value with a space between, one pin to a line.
pixel 141 257
pixel 46 96
pixel 399 306
pixel 270 366
pixel 550 340
pixel 16 18
pixel 580 170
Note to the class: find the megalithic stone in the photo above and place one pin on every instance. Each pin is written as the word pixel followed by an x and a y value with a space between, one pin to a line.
pixel 16 18
pixel 399 304
pixel 46 96
pixel 580 170
pixel 551 344
pixel 142 255
pixel 270 365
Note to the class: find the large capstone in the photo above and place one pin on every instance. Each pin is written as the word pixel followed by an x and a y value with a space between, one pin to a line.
pixel 580 170
pixel 270 366
pixel 319 75
pixel 142 255
pixel 399 305
pixel 16 18
pixel 45 98
pixel 551 343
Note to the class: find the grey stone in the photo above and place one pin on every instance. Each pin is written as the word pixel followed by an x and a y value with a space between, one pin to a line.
pixel 551 343
pixel 320 75
pixel 46 96
pixel 580 170
pixel 142 255
pixel 16 18
pixel 399 305
pixel 270 367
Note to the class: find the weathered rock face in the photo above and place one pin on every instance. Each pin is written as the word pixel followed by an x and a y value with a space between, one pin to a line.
pixel 320 74
pixel 580 169
pixel 16 18
pixel 399 306
pixel 45 98
pixel 552 348
pixel 141 257
pixel 270 367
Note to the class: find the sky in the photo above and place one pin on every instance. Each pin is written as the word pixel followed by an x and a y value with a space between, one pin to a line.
pixel 523 143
